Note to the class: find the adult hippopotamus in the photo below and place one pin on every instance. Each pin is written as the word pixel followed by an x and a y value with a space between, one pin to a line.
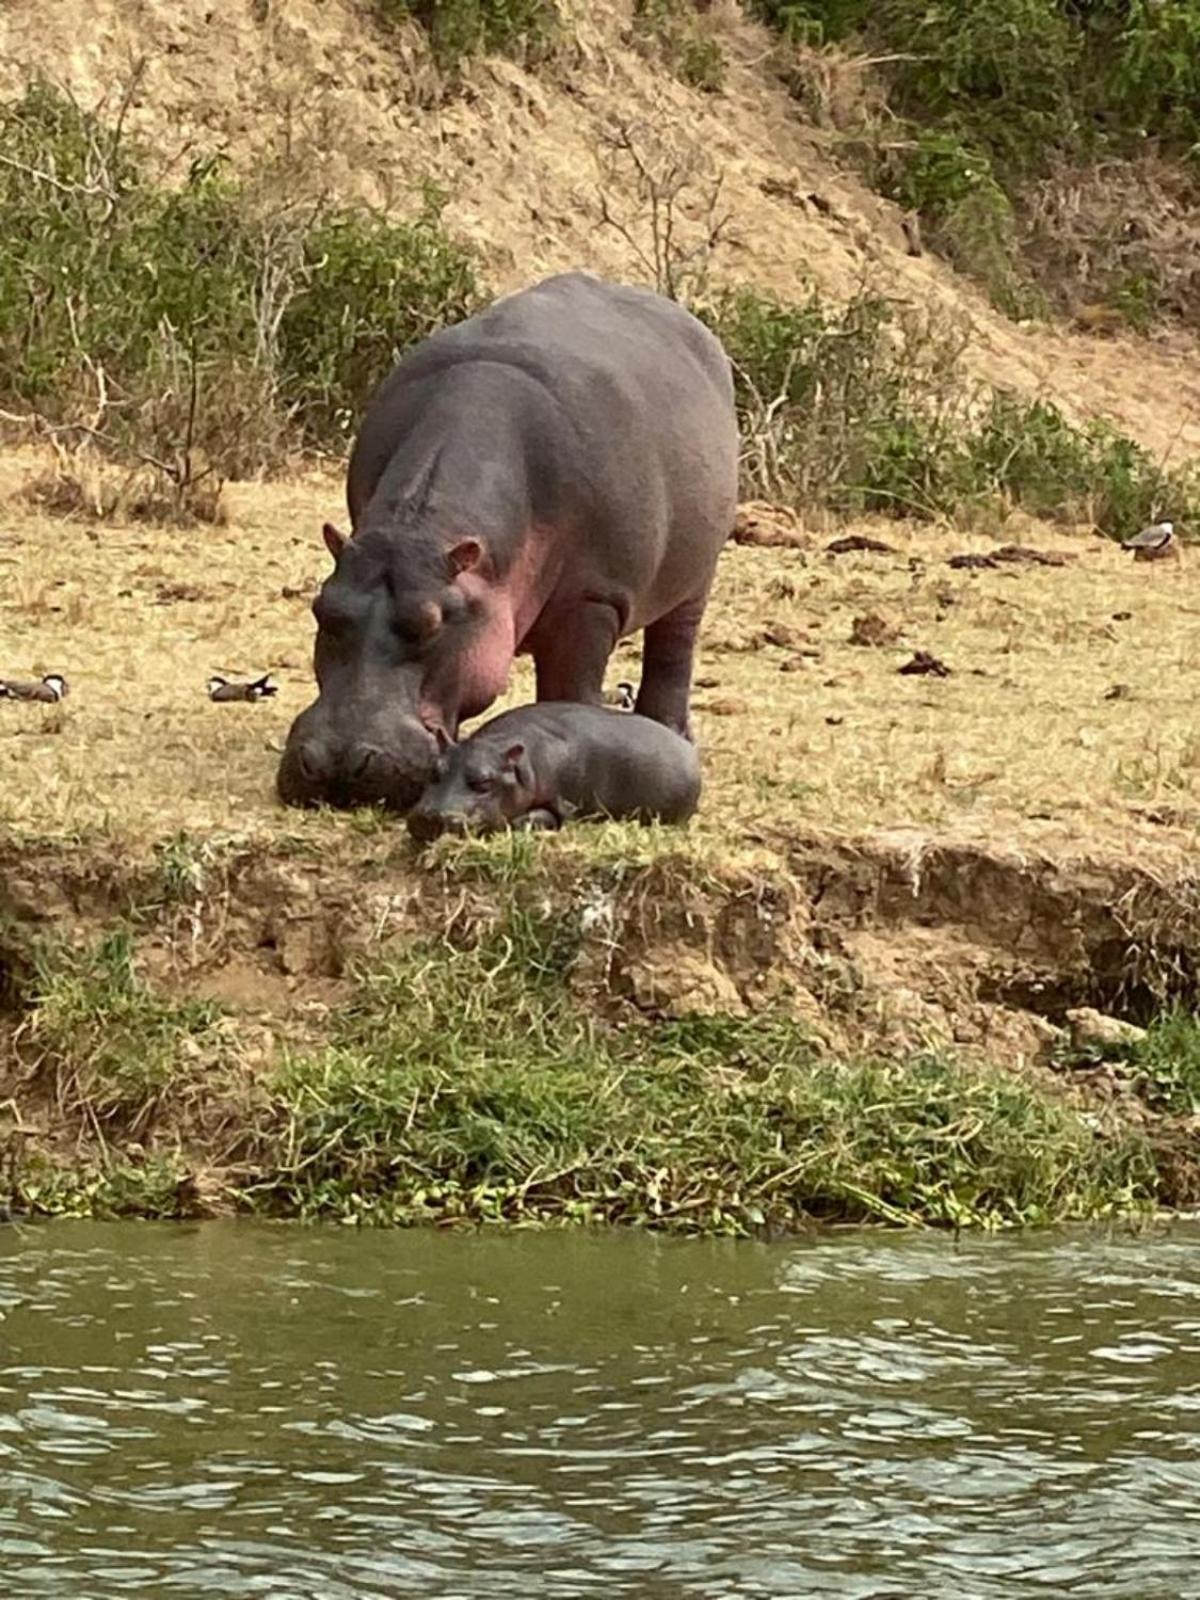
pixel 546 477
pixel 542 765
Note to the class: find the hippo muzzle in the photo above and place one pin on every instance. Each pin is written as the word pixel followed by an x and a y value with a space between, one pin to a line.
pixel 368 764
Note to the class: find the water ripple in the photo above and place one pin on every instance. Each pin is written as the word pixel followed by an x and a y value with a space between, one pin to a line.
pixel 225 1411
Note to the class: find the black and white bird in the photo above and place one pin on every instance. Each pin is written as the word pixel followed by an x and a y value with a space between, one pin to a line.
pixel 1154 543
pixel 220 688
pixel 50 689
pixel 623 697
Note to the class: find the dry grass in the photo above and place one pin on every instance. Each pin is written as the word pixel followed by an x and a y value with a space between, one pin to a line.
pixel 1018 747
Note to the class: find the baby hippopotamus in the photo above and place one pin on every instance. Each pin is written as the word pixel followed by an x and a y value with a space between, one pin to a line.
pixel 543 764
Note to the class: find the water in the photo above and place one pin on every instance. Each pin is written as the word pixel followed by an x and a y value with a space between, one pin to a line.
pixel 228 1410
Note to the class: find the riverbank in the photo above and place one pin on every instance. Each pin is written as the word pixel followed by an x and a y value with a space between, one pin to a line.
pixel 843 992
pixel 617 1029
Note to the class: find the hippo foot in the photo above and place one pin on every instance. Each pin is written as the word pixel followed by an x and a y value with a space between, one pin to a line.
pixel 541 821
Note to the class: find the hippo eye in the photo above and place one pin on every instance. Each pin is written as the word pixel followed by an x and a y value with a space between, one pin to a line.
pixel 480 782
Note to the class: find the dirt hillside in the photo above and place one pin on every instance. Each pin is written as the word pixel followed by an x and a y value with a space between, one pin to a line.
pixel 318 87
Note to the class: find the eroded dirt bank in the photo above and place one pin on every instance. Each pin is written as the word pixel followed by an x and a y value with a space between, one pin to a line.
pixel 248 958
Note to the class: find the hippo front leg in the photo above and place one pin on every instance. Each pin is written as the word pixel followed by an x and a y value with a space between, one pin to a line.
pixel 668 654
pixel 572 650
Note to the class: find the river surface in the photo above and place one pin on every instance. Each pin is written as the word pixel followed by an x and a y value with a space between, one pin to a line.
pixel 228 1410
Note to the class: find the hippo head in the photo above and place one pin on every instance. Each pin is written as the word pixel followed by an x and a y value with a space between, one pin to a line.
pixel 392 632
pixel 477 788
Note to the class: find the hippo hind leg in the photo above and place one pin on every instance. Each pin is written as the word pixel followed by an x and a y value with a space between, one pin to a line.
pixel 668 653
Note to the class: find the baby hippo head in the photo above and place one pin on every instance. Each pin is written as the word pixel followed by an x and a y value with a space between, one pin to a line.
pixel 479 787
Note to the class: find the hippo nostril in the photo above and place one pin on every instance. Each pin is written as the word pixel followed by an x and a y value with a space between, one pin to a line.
pixel 308 760
pixel 358 762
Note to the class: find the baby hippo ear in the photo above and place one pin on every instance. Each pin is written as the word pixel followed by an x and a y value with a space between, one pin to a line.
pixel 335 542
pixel 513 754
pixel 463 556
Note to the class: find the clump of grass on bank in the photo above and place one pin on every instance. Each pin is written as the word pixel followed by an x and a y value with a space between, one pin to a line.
pixel 863 408
pixel 687 48
pixel 1166 1064
pixel 470 1083
pixel 459 29
pixel 192 328
pixel 106 1043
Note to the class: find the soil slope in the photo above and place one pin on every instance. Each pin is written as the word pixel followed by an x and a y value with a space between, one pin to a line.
pixel 316 87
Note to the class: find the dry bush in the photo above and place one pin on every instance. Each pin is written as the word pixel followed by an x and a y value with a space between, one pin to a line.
pixel 1122 234
pixel 675 221
pixel 85 484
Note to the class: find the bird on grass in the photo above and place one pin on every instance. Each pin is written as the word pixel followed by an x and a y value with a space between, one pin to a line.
pixel 220 688
pixel 50 689
pixel 622 698
pixel 1154 543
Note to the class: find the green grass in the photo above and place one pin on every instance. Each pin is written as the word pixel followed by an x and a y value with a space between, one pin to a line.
pixel 1166 1064
pixel 468 1083
pixel 693 55
pixel 985 99
pixel 104 1039
pixel 481 1076
pixel 459 29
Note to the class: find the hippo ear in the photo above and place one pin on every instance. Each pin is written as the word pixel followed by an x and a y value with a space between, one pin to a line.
pixel 463 556
pixel 513 754
pixel 444 741
pixel 335 542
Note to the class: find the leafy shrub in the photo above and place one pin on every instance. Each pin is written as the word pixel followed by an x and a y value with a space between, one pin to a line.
pixel 366 289
pixel 996 96
pixel 862 409
pixel 187 324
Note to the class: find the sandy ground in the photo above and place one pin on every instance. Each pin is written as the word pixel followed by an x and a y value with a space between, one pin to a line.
pixel 1069 715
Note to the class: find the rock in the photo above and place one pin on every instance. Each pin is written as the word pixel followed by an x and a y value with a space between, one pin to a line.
pixel 731 705
pixel 772 527
pixel 924 664
pixel 873 630
pixel 1023 555
pixel 859 543
pixel 675 981
pixel 1092 1030
pixel 783 635
pixel 971 562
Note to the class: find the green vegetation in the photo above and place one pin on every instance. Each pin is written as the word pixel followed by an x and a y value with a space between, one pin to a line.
pixel 863 409
pixel 1025 80
pixel 459 29
pixel 688 50
pixel 188 325
pixel 103 1038
pixel 1166 1063
pixel 468 1082
pixel 996 98
pixel 204 334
